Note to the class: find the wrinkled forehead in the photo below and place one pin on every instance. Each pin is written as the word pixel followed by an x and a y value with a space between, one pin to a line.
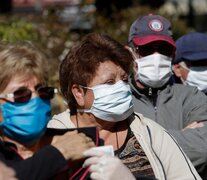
pixel 20 81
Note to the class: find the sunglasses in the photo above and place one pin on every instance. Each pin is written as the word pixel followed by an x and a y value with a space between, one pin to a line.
pixel 24 94
pixel 146 50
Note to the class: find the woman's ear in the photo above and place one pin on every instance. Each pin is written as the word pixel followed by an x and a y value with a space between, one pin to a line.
pixel 78 94
pixel 177 70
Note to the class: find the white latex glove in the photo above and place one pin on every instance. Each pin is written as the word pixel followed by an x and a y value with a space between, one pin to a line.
pixel 105 167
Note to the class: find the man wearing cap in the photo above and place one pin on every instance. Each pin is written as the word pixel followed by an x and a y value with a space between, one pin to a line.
pixel 182 110
pixel 190 64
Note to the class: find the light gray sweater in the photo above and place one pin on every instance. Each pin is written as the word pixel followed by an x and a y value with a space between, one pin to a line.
pixel 174 108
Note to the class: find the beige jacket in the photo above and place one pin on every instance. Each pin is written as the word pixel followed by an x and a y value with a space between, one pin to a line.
pixel 166 157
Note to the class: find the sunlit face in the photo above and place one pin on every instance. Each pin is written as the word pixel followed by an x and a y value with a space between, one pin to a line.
pixel 107 73
pixel 183 73
pixel 16 83
pixel 185 67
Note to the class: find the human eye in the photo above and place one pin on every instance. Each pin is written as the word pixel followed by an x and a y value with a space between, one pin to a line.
pixel 110 81
pixel 125 81
pixel 125 78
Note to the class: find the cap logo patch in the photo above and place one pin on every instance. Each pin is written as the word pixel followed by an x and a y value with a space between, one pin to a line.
pixel 156 25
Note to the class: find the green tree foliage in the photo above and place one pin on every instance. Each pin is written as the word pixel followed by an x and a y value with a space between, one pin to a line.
pixel 55 37
pixel 17 30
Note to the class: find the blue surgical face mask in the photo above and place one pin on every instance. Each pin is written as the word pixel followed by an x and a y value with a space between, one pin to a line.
pixel 26 122
pixel 112 102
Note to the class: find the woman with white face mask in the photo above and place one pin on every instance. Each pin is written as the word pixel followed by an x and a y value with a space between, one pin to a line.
pixel 94 81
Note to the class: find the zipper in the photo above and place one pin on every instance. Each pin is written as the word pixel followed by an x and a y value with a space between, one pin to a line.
pixel 150 91
pixel 155 104
pixel 150 136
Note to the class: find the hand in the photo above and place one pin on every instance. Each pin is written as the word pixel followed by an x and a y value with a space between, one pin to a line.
pixel 194 125
pixel 7 172
pixel 72 144
pixel 105 167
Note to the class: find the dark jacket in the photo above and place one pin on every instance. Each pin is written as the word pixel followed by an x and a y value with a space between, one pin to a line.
pixel 44 164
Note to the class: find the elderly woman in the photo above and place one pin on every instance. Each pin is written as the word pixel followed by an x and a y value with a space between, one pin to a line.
pixel 25 111
pixel 24 96
pixel 93 80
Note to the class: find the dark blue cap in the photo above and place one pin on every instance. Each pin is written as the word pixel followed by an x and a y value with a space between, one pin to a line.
pixel 147 29
pixel 191 47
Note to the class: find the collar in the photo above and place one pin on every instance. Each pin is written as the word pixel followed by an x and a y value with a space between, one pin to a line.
pixel 148 91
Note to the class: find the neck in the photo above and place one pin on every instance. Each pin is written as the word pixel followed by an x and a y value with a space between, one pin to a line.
pixel 88 120
pixel 25 151
pixel 149 91
pixel 112 133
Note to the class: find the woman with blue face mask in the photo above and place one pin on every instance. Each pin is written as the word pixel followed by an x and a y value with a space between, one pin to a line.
pixel 24 113
pixel 24 97
pixel 94 82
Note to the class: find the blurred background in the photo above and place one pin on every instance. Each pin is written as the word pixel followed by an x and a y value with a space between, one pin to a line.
pixel 55 25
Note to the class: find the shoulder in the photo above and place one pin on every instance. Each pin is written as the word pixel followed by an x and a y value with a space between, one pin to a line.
pixel 185 89
pixel 142 121
pixel 146 128
pixel 184 93
pixel 61 121
pixel 151 132
pixel 159 142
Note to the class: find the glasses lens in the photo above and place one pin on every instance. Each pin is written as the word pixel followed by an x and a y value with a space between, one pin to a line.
pixel 166 50
pixel 46 93
pixel 22 95
pixel 145 50
pixel 149 49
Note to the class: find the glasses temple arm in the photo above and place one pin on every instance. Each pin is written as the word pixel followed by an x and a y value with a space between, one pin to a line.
pixel 10 95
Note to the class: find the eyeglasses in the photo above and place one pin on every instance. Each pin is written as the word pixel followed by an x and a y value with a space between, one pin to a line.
pixel 24 94
pixel 149 49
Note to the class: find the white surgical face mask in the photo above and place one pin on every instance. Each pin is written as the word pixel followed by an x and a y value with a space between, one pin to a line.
pixel 197 77
pixel 112 102
pixel 154 70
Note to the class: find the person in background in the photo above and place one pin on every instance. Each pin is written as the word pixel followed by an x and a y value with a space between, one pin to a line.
pixel 182 110
pixel 25 111
pixel 190 64
pixel 94 82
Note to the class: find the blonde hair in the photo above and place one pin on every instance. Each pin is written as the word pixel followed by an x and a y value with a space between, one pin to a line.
pixel 22 59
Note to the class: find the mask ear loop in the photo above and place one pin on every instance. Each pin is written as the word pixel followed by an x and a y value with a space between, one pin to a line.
pixel 183 64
